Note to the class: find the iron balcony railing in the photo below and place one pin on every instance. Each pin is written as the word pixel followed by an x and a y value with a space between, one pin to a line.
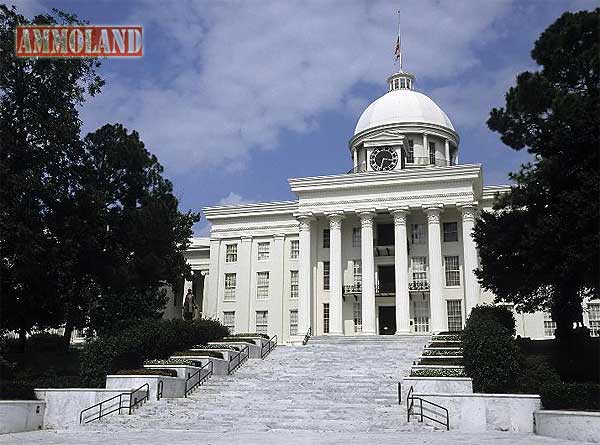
pixel 355 288
pixel 385 288
pixel 421 285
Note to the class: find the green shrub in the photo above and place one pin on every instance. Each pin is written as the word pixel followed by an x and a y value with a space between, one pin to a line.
pixel 11 390
pixel 444 344
pixel 578 396
pixel 147 371
pixel 232 348
pixel 490 354
pixel 237 339
pixel 146 340
pixel 197 352
pixel 442 352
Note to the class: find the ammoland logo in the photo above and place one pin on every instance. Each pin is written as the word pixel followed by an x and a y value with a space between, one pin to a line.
pixel 78 41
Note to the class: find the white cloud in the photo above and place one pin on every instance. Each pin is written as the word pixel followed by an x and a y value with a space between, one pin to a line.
pixel 234 199
pixel 242 72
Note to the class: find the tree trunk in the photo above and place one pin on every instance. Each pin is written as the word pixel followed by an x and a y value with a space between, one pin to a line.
pixel 22 338
pixel 67 334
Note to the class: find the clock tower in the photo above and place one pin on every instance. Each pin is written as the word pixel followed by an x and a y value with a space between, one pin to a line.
pixel 403 129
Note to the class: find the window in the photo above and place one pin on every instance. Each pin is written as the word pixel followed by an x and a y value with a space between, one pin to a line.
pixel 432 152
pixel 231 253
pixel 357 273
pixel 419 269
pixel 325 318
pixel 450 232
pixel 549 325
pixel 326 237
pixel 293 284
pixel 325 275
pixel 357 317
pixel 452 270
pixel 229 320
pixel 417 233
pixel 410 154
pixel 230 284
pixel 262 285
pixel 594 317
pixel 356 237
pixel 262 322
pixel 295 249
pixel 454 315
pixel 294 322
pixel 263 251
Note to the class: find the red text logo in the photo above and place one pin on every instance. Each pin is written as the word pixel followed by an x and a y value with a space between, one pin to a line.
pixel 79 41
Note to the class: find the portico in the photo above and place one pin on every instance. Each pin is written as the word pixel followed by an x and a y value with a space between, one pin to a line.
pixel 411 294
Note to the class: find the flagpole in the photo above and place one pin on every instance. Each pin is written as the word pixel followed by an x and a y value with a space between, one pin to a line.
pixel 399 42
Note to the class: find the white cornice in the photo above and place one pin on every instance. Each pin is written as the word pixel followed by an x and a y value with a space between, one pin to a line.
pixel 405 128
pixel 358 181
pixel 256 209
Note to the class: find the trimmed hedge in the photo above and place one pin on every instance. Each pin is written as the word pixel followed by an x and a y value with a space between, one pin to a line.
pixel 171 361
pixel 250 334
pixel 453 361
pixel 490 355
pixel 147 371
pixel 11 390
pixel 579 396
pixel 438 372
pixel 442 352
pixel 233 348
pixel 149 339
pixel 196 352
pixel 237 339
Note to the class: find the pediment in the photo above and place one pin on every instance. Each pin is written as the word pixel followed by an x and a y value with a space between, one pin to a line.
pixel 384 137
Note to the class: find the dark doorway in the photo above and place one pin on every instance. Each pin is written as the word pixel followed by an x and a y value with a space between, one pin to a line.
pixel 387 279
pixel 387 320
pixel 385 235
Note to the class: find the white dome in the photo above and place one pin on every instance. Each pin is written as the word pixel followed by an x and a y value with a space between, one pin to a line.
pixel 402 106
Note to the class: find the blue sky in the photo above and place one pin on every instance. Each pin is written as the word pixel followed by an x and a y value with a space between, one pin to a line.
pixel 235 97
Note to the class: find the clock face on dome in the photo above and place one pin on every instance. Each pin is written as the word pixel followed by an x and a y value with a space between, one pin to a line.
pixel 383 159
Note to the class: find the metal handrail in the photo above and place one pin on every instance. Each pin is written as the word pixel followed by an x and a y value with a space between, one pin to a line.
pixel 267 348
pixel 201 379
pixel 306 337
pixel 121 405
pixel 137 402
pixel 410 403
pixel 239 360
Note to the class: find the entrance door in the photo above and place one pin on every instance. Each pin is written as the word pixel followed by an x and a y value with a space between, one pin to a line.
pixel 387 320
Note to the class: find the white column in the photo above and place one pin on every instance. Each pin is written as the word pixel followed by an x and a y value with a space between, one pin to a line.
pixel 436 298
pixel 335 271
pixel 243 318
pixel 447 148
pixel 401 263
pixel 277 291
pixel 425 149
pixel 213 278
pixel 368 272
pixel 304 275
pixel 472 289
pixel 355 159
pixel 205 292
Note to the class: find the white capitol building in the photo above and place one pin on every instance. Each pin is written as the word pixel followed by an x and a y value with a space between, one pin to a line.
pixel 383 249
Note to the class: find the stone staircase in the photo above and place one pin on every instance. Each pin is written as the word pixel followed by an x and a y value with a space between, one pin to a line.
pixel 339 384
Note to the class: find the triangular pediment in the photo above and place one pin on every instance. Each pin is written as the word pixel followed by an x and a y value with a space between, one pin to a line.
pixel 388 136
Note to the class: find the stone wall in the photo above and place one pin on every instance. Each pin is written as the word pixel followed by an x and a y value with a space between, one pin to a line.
pixel 444 385
pixel 484 412
pixel 63 405
pixel 17 416
pixel 581 426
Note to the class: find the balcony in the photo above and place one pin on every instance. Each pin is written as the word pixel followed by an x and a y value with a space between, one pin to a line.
pixel 355 288
pixel 421 285
pixel 385 289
